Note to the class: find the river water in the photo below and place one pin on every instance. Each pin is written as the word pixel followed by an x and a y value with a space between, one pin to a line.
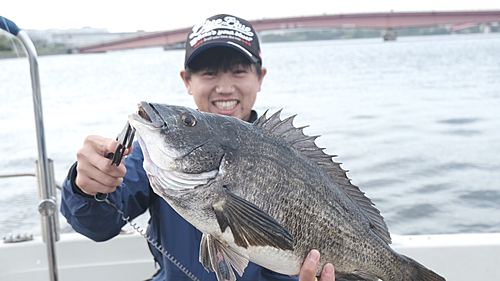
pixel 416 121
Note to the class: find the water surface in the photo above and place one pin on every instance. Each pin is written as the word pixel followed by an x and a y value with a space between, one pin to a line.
pixel 415 121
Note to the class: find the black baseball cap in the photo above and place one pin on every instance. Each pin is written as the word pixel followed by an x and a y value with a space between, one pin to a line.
pixel 223 30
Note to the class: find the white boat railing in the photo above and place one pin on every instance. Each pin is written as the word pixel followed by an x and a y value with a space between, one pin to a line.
pixel 48 204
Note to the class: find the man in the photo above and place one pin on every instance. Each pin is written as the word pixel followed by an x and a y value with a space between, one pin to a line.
pixel 223 72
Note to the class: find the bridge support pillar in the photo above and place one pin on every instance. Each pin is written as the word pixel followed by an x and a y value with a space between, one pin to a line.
pixel 485 28
pixel 389 35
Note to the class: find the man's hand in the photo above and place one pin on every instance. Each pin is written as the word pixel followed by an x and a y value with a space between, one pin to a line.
pixel 95 174
pixel 308 270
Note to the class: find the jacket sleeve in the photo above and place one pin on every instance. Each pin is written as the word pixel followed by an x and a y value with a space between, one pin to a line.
pixel 98 220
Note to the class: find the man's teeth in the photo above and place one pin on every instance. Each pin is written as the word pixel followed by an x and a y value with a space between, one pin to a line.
pixel 225 104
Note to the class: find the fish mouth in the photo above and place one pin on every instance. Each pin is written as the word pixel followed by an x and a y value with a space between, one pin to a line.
pixel 148 114
pixel 143 113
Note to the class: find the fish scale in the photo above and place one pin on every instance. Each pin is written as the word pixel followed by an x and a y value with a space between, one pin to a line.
pixel 270 196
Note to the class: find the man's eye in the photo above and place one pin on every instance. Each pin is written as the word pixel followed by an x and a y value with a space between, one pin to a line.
pixel 239 71
pixel 210 73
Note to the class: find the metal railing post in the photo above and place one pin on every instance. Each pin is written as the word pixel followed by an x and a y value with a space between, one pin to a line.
pixel 48 204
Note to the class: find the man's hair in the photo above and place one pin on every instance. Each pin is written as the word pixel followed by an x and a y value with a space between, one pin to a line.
pixel 220 59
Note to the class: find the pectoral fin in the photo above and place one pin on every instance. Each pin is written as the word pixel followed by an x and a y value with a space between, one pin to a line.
pixel 218 258
pixel 249 224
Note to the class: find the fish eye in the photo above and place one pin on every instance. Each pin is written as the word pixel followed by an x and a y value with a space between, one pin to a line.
pixel 188 120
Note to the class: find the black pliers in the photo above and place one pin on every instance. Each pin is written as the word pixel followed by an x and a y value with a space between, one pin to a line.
pixel 125 139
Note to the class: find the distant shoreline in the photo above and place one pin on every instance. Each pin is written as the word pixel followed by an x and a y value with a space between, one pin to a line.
pixel 302 35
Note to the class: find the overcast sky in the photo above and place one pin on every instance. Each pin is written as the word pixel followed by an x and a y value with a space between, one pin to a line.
pixel 149 15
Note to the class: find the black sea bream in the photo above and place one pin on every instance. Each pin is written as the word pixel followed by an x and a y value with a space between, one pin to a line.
pixel 264 192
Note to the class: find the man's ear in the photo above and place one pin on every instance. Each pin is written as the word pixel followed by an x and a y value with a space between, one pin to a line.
pixel 261 78
pixel 187 82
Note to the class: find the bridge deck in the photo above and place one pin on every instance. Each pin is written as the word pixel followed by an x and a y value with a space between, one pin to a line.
pixel 366 20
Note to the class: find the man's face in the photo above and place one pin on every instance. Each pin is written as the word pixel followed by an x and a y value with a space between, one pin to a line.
pixel 231 93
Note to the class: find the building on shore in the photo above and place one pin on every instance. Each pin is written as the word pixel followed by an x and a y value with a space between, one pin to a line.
pixel 74 38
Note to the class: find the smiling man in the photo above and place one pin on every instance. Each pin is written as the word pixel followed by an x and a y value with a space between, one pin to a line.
pixel 223 68
pixel 222 81
pixel 223 72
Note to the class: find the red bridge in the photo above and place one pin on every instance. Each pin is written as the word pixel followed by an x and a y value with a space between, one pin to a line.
pixel 368 20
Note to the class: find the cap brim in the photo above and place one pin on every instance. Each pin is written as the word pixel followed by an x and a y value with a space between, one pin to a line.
pixel 233 45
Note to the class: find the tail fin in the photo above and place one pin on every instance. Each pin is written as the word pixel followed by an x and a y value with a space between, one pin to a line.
pixel 421 273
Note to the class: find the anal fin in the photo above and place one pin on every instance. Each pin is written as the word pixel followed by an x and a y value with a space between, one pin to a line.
pixel 221 259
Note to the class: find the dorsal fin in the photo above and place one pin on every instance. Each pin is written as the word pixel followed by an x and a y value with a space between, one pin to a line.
pixel 306 144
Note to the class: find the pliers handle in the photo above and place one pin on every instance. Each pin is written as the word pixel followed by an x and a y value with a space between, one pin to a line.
pixel 125 140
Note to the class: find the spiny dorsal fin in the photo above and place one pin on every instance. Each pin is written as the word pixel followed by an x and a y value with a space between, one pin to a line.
pixel 306 144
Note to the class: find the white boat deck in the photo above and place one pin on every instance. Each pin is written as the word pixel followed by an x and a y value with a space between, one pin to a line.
pixel 457 257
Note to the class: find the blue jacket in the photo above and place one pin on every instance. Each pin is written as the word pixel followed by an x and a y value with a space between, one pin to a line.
pixel 101 222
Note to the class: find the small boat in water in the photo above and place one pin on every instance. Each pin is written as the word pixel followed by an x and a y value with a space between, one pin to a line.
pixel 74 257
